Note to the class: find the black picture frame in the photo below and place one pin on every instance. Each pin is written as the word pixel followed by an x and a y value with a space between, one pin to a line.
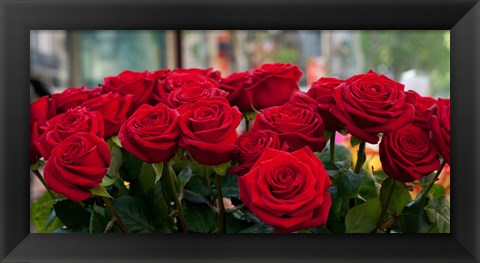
pixel 18 17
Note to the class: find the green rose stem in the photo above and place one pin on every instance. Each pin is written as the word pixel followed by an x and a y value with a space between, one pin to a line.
pixel 221 206
pixel 207 176
pixel 391 189
pixel 429 187
pixel 178 205
pixel 114 215
pixel 40 177
pixel 360 157
pixel 332 147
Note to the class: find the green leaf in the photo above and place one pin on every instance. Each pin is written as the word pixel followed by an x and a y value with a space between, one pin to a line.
pixel 229 186
pixel 354 141
pixel 116 158
pixel 221 169
pixel 363 218
pixel 184 176
pixel 159 209
pixel 72 214
pixel 413 218
pixel 197 185
pixel 117 141
pixel 131 166
pixel 348 184
pixel 368 188
pixel 259 227
pixel 43 216
pixel 158 167
pixel 380 175
pixel 101 191
pixel 400 196
pixel 199 218
pixel 439 216
pixel 98 220
pixel 194 197
pixel 107 181
pixel 235 225
pixel 131 210
pixel 147 178
pixel 342 154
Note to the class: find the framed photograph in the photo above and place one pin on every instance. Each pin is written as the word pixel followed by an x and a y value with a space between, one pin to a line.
pixel 271 131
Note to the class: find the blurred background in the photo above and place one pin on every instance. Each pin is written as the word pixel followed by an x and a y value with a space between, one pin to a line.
pixel 419 59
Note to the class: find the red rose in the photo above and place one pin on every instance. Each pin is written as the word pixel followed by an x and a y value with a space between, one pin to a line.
pixel 94 92
pixel 423 106
pixel 300 97
pixel 407 154
pixel 288 191
pixel 209 72
pixel 138 84
pixel 70 98
pixel 63 125
pixel 297 125
pixel 184 95
pixel 322 92
pixel 208 130
pixel 113 108
pixel 77 165
pixel 250 146
pixel 369 104
pixel 161 74
pixel 181 80
pixel 41 111
pixel 439 124
pixel 236 84
pixel 273 84
pixel 151 133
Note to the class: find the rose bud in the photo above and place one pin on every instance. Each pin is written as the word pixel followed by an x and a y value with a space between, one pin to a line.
pixel 439 124
pixel 113 108
pixel 70 98
pixel 151 133
pixel 77 165
pixel 423 106
pixel 297 125
pixel 209 130
pixel 273 84
pixel 41 110
pixel 322 92
pixel 250 146
pixel 288 191
pixel 369 104
pixel 407 154
pixel 63 125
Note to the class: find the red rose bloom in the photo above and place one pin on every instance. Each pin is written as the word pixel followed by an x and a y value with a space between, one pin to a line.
pixel 151 133
pixel 250 146
pixel 184 95
pixel 208 130
pixel 209 72
pixel 113 108
pixel 70 98
pixel 300 97
pixel 423 106
pixel 439 124
pixel 273 84
pixel 322 92
pixel 297 125
pixel 288 191
pixel 407 154
pixel 63 125
pixel 77 165
pixel 41 111
pixel 181 80
pixel 369 104
pixel 138 84
pixel 94 92
pixel 235 84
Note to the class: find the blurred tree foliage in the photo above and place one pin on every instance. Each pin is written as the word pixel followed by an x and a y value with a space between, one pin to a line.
pixel 394 52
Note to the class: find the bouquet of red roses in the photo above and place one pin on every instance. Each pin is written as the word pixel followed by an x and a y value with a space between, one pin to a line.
pixel 187 150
